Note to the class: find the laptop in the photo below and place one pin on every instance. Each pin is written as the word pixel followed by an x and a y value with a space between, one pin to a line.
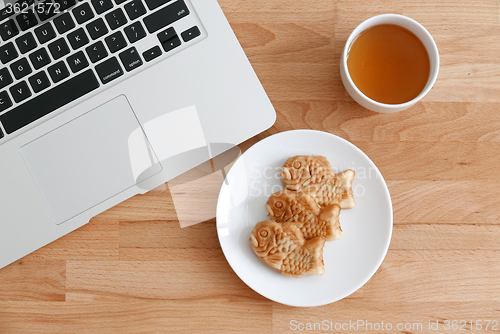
pixel 101 100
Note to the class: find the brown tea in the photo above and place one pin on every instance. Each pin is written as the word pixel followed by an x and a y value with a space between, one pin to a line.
pixel 389 64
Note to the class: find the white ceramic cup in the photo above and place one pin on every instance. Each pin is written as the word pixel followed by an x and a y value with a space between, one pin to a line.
pixel 404 22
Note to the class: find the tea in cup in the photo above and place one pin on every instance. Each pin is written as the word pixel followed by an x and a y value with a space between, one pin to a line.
pixel 389 63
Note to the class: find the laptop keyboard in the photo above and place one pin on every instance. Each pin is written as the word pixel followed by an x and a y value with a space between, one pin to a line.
pixel 53 53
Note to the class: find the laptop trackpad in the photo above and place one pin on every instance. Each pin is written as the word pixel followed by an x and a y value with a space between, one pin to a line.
pixel 90 159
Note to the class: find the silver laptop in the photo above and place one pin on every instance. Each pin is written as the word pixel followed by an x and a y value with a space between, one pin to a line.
pixel 101 100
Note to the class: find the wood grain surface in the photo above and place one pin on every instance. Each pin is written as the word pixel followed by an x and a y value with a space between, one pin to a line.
pixel 132 269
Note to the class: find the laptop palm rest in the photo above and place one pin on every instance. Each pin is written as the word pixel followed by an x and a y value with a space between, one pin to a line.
pixel 90 159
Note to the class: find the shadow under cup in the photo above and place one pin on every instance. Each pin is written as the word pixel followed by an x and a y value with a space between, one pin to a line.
pixel 402 21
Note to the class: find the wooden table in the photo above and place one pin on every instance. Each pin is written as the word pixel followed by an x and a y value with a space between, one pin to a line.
pixel 132 269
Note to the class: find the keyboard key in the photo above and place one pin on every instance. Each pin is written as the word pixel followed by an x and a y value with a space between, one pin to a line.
pixel 130 59
pixel 115 41
pixel 5 13
pixel 58 71
pixel 58 48
pixel 65 4
pixel 119 1
pixel 152 53
pixel 49 101
pixel 39 81
pixel 20 91
pixel 152 4
pixel 166 16
pixel 190 34
pixel 1 134
pixel 26 20
pixel 45 33
pixel 96 52
pixel 8 30
pixel 101 6
pixel 171 44
pixel 5 101
pixel 7 53
pixel 97 28
pixel 5 77
pixel 135 32
pixel 77 62
pixel 46 9
pixel 26 42
pixel 83 13
pixel 78 38
pixel 20 68
pixel 116 19
pixel 166 34
pixel 39 58
pixel 64 23
pixel 134 9
pixel 108 70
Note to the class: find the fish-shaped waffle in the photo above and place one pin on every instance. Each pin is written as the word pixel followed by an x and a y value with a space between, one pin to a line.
pixel 303 210
pixel 283 247
pixel 313 175
pixel 333 190
pixel 302 170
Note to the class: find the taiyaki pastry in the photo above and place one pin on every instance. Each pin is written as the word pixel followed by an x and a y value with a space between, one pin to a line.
pixel 303 210
pixel 314 175
pixel 333 190
pixel 302 170
pixel 283 247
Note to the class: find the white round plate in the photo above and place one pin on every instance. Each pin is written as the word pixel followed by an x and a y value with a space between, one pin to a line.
pixel 349 262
